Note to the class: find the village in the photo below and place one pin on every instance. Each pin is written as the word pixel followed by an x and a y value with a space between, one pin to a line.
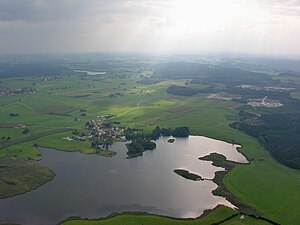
pixel 11 91
pixel 224 96
pixel 100 132
pixel 265 102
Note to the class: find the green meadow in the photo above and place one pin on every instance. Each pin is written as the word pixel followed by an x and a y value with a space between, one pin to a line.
pixel 54 111
pixel 220 215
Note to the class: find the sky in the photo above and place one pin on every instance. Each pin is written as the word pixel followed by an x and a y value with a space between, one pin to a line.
pixel 261 27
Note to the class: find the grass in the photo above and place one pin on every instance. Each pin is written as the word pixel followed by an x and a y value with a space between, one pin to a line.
pixel 219 216
pixel 296 95
pixel 259 184
pixel 269 187
pixel 106 153
pixel 56 109
pixel 215 216
pixel 19 177
pixel 24 151
pixel 56 141
pixel 245 220
pixel 32 137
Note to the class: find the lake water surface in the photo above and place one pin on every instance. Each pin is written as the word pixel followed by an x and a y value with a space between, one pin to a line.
pixel 93 186
pixel 91 73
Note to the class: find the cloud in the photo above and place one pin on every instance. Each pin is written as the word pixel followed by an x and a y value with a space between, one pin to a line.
pixel 47 10
pixel 141 25
pixel 281 8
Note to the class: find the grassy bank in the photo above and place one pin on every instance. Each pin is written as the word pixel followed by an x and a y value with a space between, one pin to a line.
pixel 18 177
pixel 220 215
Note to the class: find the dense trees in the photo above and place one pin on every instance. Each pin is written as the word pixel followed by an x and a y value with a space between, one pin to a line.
pixel 150 80
pixel 141 142
pixel 209 74
pixel 166 131
pixel 137 147
pixel 278 132
pixel 156 133
pixel 181 132
pixel 181 90
pixel 32 69
pixel 26 131
pixel 177 132
pixel 13 114
pixel 180 70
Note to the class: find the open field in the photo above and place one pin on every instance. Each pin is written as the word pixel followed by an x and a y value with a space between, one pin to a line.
pixel 221 215
pixel 218 215
pixel 17 177
pixel 50 116
pixel 296 95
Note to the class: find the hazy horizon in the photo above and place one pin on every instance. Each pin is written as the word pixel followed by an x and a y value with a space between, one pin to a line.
pixel 263 28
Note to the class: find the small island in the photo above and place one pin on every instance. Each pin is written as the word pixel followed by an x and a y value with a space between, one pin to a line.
pixel 141 141
pixel 187 175
pixel 137 147
pixel 171 140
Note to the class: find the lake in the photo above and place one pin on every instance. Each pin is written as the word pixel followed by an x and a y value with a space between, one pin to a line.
pixel 93 186
pixel 91 73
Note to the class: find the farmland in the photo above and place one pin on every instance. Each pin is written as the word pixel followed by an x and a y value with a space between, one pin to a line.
pixel 55 110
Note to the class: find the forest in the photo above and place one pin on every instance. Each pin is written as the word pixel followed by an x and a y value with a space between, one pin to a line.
pixel 277 129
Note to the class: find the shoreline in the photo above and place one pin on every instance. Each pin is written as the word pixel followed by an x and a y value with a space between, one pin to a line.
pixel 219 160
pixel 221 190
pixel 32 189
pixel 115 214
